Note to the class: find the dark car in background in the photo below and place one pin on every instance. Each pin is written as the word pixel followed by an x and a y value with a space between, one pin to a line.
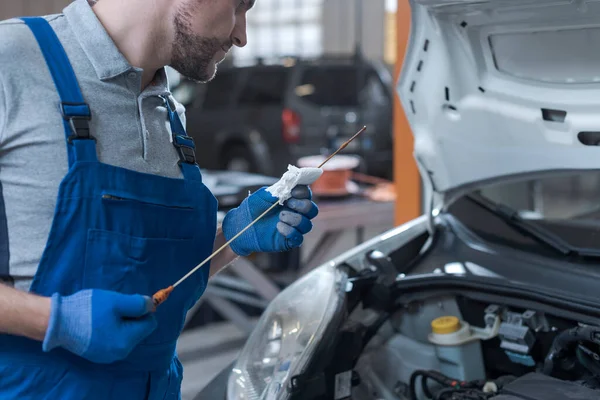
pixel 261 118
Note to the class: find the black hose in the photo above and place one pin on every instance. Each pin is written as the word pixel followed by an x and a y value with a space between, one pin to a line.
pixel 425 388
pixel 413 384
pixel 435 376
pixel 565 339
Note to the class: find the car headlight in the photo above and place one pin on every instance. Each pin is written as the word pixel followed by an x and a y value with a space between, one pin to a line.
pixel 286 336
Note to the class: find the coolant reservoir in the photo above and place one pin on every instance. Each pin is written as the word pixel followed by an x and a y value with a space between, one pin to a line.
pixel 458 348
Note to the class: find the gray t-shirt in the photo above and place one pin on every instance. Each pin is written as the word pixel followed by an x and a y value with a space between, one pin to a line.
pixel 131 127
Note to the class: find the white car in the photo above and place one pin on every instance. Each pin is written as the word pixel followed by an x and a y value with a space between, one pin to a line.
pixel 494 293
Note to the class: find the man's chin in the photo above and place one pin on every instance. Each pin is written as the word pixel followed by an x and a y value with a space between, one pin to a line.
pixel 208 73
pixel 207 76
pixel 211 72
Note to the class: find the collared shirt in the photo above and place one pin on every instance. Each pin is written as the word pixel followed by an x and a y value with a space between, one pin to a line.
pixel 130 125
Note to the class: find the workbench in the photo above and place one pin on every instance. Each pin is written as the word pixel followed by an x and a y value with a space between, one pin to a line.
pixel 244 283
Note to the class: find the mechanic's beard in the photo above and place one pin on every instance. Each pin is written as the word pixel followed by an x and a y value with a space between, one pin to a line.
pixel 193 54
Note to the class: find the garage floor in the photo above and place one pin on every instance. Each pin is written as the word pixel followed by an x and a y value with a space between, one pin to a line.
pixel 205 351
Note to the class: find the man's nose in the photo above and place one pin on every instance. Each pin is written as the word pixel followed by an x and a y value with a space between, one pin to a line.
pixel 239 38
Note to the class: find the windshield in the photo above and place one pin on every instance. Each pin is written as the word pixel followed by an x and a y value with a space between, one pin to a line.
pixel 558 213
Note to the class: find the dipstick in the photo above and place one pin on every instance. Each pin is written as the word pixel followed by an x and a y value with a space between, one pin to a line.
pixel 343 146
pixel 162 295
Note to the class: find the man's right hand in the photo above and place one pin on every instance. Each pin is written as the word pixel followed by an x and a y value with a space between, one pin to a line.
pixel 99 325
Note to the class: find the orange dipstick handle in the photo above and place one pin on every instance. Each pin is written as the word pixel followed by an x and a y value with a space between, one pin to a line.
pixel 163 294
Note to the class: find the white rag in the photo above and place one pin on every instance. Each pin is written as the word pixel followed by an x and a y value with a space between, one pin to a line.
pixel 282 189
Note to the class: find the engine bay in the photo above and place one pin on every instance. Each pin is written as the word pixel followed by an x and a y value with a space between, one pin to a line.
pixel 457 348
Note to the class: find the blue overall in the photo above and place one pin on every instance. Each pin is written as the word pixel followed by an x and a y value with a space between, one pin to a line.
pixel 120 230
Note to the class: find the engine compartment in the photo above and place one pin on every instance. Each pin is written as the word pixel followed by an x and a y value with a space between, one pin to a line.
pixel 501 353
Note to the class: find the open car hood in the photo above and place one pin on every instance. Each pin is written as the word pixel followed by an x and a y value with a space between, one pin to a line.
pixel 498 88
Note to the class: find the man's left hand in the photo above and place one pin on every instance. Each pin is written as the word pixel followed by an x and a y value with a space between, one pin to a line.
pixel 282 229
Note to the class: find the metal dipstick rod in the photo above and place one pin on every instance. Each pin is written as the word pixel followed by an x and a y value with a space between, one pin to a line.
pixel 162 295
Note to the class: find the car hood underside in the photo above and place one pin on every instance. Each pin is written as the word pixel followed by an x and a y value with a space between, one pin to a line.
pixel 494 89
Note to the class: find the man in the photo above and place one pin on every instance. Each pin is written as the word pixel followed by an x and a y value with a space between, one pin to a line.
pixel 102 201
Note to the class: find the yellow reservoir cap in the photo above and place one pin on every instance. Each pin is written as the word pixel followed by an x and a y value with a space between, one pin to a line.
pixel 444 325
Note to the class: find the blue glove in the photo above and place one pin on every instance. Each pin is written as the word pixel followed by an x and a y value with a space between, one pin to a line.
pixel 99 325
pixel 281 229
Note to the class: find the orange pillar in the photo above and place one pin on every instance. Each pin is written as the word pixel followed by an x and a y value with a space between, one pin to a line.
pixel 406 174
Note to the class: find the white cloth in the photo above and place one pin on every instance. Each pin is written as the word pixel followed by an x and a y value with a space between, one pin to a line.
pixel 294 176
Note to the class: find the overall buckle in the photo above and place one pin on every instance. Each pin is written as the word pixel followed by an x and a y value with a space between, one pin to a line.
pixel 186 152
pixel 78 116
pixel 80 128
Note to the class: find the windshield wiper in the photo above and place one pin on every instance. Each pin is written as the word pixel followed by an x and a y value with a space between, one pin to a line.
pixel 531 229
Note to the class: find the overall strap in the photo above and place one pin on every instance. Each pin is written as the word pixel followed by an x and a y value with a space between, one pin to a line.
pixel 183 143
pixel 76 113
